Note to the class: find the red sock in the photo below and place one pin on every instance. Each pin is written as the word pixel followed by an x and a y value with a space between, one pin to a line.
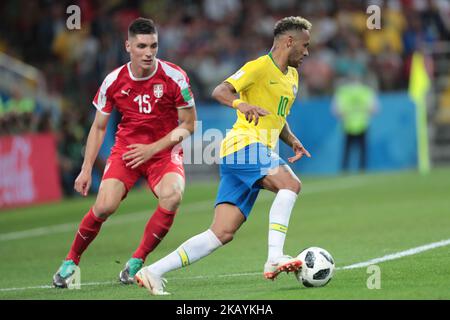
pixel 155 230
pixel 87 231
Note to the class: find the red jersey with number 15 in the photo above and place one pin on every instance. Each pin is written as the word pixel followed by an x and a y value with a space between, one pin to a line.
pixel 148 105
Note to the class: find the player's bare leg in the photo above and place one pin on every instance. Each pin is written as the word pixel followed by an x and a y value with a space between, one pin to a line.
pixel 169 192
pixel 286 185
pixel 109 196
pixel 227 220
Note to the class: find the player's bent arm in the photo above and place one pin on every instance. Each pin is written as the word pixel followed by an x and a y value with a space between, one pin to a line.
pixel 224 93
pixel 94 140
pixel 187 118
pixel 287 136
pixel 140 153
pixel 291 140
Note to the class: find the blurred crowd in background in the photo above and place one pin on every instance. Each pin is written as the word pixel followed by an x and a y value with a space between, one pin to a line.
pixel 209 39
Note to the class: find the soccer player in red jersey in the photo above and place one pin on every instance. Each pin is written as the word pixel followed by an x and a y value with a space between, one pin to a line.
pixel 158 112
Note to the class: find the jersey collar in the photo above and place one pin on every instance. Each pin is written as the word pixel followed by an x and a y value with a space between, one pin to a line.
pixel 275 64
pixel 144 78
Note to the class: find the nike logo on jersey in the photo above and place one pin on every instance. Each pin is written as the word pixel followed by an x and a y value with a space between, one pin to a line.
pixel 126 92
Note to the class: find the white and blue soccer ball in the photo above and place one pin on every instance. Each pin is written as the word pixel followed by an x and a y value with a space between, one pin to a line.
pixel 317 269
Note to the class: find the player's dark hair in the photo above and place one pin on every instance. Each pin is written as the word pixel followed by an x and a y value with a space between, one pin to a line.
pixel 141 26
pixel 291 23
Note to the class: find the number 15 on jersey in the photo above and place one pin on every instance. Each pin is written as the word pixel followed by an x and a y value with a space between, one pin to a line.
pixel 143 100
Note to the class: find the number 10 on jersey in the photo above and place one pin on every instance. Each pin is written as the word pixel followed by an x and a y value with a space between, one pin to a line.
pixel 143 100
pixel 282 106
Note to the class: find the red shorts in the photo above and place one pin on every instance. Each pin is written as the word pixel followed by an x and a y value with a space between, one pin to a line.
pixel 152 170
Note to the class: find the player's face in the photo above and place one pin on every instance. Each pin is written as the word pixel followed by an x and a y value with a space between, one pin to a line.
pixel 143 49
pixel 299 43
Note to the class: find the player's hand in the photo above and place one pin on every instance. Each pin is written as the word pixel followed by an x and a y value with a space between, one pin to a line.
pixel 252 113
pixel 83 183
pixel 138 154
pixel 299 150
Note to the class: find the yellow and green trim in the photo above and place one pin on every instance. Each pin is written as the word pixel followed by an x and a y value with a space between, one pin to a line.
pixel 184 257
pixel 278 227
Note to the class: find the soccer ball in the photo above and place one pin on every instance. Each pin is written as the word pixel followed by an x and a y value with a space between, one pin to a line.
pixel 317 269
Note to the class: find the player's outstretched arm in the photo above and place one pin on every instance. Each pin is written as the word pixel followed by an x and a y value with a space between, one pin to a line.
pixel 94 142
pixel 225 94
pixel 291 140
pixel 140 153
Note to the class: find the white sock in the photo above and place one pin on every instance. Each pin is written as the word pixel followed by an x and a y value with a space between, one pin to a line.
pixel 190 251
pixel 280 213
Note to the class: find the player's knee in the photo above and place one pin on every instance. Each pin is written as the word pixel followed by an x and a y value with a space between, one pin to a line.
pixel 294 185
pixel 103 208
pixel 225 236
pixel 170 198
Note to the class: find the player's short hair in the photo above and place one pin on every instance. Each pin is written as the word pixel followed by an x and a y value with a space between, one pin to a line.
pixel 141 26
pixel 291 23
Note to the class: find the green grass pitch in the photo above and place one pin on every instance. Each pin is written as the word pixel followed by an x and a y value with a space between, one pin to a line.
pixel 356 218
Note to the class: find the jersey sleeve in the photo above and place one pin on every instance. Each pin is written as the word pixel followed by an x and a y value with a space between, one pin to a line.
pixel 102 100
pixel 245 77
pixel 184 98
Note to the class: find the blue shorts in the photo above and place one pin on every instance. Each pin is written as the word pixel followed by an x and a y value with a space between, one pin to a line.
pixel 240 173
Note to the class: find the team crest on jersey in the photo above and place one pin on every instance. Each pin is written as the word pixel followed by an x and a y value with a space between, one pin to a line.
pixel 294 90
pixel 158 90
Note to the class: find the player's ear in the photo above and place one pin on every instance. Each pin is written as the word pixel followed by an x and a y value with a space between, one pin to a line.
pixel 289 41
pixel 127 46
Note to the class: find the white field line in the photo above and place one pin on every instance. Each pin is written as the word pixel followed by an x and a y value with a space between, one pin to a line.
pixel 393 256
pixel 399 255
pixel 344 183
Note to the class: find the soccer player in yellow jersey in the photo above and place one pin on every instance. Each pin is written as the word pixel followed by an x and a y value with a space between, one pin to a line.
pixel 267 88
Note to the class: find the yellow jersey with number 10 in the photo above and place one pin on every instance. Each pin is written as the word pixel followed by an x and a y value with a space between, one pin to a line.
pixel 261 83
